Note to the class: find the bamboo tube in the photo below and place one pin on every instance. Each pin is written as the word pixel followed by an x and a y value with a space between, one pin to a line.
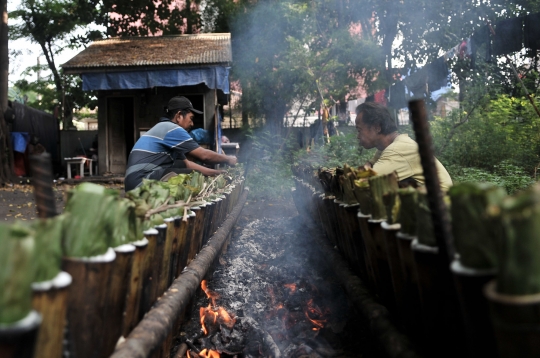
pixel 157 265
pixel 396 273
pixel 192 236
pixel 516 322
pixel 469 285
pixel 380 185
pixel 329 210
pixel 476 224
pixel 371 251
pixel 210 208
pixel 413 312
pixel 181 228
pixel 440 309
pixel 363 196
pixel 168 244
pixel 425 232
pixel 384 280
pixel 18 339
pixel 87 303
pixel 340 234
pixel 407 213
pixel 133 298
pixel 356 243
pixel 519 272
pixel 50 300
pixel 117 294
pixel 148 273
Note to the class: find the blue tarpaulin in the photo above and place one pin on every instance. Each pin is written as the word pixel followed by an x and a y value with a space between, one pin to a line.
pixel 216 77
pixel 20 141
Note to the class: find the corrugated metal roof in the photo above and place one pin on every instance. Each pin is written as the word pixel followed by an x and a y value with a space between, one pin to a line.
pixel 153 51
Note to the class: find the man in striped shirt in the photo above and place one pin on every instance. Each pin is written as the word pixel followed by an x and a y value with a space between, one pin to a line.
pixel 162 150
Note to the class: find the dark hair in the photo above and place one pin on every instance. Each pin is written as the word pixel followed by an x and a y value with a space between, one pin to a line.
pixel 376 114
pixel 171 114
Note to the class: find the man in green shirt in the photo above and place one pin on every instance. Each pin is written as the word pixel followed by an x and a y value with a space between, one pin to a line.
pixel 395 152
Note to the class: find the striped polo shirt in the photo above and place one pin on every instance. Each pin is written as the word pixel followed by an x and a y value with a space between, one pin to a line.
pixel 156 151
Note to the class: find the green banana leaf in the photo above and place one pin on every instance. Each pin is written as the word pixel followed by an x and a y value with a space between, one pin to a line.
pixel 48 248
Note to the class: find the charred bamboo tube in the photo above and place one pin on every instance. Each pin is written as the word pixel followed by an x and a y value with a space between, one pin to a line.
pixel 394 263
pixel 413 312
pixel 341 234
pixel 331 230
pixel 384 280
pixel 87 303
pixel 196 239
pixel 371 250
pixel 322 216
pixel 148 274
pixel 133 299
pixel 389 340
pixel 50 300
pixel 356 241
pixel 117 294
pixel 156 326
pixel 515 321
pixel 157 265
pixel 469 285
pixel 18 340
pixel 440 309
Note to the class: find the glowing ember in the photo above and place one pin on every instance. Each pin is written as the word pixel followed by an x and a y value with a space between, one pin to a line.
pixel 209 354
pixel 291 287
pixel 315 315
pixel 210 294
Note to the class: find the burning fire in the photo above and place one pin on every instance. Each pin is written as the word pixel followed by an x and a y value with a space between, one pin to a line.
pixel 213 316
pixel 315 315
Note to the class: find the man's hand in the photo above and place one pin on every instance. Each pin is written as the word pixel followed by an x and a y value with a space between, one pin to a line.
pixel 232 161
pixel 368 165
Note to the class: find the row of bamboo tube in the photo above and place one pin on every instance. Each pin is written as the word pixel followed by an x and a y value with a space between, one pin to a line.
pixel 445 311
pixel 102 299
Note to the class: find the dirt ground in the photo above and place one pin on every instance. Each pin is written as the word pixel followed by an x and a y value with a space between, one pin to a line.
pixel 17 201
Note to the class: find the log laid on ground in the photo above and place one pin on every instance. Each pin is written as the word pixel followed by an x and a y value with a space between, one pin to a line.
pixel 158 323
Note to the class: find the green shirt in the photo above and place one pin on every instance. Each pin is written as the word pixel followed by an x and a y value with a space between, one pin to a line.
pixel 402 157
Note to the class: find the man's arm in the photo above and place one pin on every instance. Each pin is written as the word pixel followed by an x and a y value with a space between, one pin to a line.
pixel 212 157
pixel 204 170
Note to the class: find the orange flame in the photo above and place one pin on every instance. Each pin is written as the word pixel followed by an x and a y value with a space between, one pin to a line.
pixel 210 354
pixel 291 287
pixel 211 316
pixel 210 294
pixel 315 314
pixel 187 353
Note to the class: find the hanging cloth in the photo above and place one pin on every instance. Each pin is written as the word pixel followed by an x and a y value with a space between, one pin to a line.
pixel 509 36
pixel 481 37
pixel 438 74
pixel 380 97
pixel 532 31
pixel 417 83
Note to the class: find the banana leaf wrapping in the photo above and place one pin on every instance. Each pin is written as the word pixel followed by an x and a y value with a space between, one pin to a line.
pixel 325 179
pixel 363 195
pixel 48 248
pixel 392 205
pixel 346 181
pixel 90 228
pixel 407 210
pixel 476 223
pixel 519 271
pixel 379 186
pixel 16 272
pixel 126 225
pixel 335 186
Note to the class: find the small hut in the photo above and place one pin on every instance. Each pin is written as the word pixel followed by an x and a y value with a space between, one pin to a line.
pixel 134 78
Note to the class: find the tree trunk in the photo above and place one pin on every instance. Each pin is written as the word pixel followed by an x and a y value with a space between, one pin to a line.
pixel 6 155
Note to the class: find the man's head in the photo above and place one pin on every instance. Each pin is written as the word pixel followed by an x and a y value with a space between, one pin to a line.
pixel 373 123
pixel 180 111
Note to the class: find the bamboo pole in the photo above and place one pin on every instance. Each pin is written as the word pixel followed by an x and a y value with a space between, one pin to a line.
pixel 50 300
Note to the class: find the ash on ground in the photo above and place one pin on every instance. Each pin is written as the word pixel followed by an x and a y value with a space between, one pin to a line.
pixel 286 303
